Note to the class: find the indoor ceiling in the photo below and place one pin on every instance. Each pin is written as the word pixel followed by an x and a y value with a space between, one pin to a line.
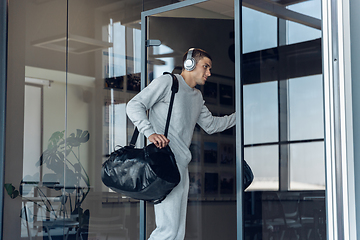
pixel 224 9
pixel 127 12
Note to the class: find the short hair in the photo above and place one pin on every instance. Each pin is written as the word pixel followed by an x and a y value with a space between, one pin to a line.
pixel 197 55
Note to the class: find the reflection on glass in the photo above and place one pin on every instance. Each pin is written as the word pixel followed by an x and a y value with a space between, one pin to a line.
pixel 306 108
pixel 307 166
pixel 283 123
pixel 310 8
pixel 162 64
pixel 32 132
pixel 32 148
pixel 260 113
pixel 285 215
pixel 298 32
pixel 63 193
pixel 64 197
pixel 121 67
pixel 264 164
pixel 253 23
pixel 137 49
pixel 117 54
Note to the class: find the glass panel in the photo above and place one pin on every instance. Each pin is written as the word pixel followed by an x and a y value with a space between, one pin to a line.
pixel 260 113
pixel 306 108
pixel 301 33
pixel 264 163
pixel 212 199
pixel 298 32
pixel 307 166
pixel 35 110
pixel 255 22
pixel 310 8
pixel 101 80
pixel 73 65
pixel 283 121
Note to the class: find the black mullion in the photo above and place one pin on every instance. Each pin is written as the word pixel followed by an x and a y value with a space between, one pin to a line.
pixel 285 142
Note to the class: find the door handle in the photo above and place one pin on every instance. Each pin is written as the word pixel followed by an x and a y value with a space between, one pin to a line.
pixel 152 42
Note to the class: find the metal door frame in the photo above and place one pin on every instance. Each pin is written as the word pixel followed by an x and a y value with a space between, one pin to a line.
pixel 238 99
pixel 239 117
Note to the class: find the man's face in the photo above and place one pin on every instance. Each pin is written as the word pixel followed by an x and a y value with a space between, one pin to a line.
pixel 202 71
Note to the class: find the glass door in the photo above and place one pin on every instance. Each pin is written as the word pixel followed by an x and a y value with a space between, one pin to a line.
pixel 282 85
pixel 170 31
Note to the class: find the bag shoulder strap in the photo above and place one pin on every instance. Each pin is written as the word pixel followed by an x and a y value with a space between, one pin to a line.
pixel 174 89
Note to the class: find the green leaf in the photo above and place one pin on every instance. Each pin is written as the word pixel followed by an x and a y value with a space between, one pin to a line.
pixel 11 191
pixel 55 138
pixel 58 155
pixel 78 133
pixel 85 136
pixel 80 137
pixel 57 135
pixel 9 188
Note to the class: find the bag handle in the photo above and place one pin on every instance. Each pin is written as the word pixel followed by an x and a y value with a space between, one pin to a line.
pixel 174 89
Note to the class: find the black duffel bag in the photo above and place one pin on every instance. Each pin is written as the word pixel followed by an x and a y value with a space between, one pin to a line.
pixel 248 175
pixel 148 173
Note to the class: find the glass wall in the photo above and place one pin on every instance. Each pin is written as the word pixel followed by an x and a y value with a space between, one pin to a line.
pixel 283 120
pixel 74 65
pixel 72 68
pixel 36 96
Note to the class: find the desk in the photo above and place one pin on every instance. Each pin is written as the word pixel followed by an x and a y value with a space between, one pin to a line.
pixel 58 223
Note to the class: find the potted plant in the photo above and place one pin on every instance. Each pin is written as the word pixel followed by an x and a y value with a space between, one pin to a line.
pixel 66 175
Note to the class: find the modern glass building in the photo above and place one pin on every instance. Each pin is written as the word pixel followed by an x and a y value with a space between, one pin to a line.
pixel 288 68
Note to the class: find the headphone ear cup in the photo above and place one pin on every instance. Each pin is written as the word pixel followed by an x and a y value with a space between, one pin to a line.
pixel 189 64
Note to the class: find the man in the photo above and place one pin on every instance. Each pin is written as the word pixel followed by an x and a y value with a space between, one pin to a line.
pixel 188 110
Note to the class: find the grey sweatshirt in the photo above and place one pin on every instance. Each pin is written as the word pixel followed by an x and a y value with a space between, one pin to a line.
pixel 188 109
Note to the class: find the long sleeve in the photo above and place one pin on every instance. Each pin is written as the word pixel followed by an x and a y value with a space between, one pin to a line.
pixel 211 124
pixel 146 99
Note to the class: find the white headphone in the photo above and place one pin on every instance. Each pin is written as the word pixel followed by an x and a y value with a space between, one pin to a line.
pixel 190 62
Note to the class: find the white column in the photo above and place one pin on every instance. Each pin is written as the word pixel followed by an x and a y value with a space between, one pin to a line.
pixel 339 145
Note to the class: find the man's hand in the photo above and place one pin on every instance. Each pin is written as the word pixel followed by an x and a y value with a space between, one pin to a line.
pixel 159 140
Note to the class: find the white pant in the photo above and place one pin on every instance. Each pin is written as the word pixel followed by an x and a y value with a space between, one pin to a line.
pixel 170 214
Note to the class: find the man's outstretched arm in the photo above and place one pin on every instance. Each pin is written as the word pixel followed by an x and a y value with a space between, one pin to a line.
pixel 211 124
